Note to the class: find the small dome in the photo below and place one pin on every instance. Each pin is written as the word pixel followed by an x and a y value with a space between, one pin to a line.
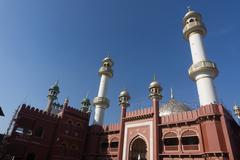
pixel 191 13
pixel 154 84
pixel 172 107
pixel 124 93
pixel 55 87
pixel 86 101
pixel 109 60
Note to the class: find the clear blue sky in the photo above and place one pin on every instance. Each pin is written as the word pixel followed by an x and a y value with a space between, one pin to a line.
pixel 44 41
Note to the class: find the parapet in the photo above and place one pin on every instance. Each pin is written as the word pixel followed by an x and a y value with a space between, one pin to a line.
pixel 33 111
pixel 75 112
pixel 204 112
pixel 111 127
pixel 139 114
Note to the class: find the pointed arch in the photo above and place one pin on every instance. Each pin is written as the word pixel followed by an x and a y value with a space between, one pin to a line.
pixel 138 148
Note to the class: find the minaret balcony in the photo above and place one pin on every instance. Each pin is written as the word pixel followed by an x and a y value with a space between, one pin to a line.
pixel 106 71
pixel 203 67
pixel 195 26
pixel 101 101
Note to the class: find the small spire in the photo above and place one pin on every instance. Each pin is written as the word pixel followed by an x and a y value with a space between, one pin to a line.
pixel 154 77
pixel 57 82
pixel 188 8
pixel 87 95
pixel 171 92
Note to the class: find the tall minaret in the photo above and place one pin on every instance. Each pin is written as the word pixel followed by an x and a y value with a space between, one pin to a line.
pixel 202 70
pixel 52 95
pixel 101 102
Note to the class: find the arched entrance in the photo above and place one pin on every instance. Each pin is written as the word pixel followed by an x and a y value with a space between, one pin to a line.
pixel 138 149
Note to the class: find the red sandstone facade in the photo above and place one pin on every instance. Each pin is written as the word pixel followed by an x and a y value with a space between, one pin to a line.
pixel 208 133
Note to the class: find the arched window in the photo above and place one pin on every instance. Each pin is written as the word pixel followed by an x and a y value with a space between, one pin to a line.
pixel 190 140
pixel 39 132
pixel 170 141
pixel 191 20
pixel 114 144
pixel 31 156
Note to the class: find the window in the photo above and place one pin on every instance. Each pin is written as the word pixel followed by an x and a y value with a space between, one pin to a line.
pixel 190 140
pixel 191 20
pixel 114 144
pixel 19 130
pixel 39 132
pixel 170 141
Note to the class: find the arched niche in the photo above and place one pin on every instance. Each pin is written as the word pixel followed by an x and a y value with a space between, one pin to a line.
pixel 138 149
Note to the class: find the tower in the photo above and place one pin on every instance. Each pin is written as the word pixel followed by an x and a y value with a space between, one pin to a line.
pixel 123 98
pixel 101 102
pixel 52 95
pixel 202 71
pixel 155 95
pixel 86 105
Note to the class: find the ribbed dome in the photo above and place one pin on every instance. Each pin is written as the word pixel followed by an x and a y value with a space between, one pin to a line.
pixel 172 107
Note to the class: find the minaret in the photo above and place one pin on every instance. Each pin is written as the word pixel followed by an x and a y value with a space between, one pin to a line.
pixel 52 95
pixel 86 105
pixel 236 110
pixel 101 102
pixel 155 95
pixel 202 70
pixel 123 98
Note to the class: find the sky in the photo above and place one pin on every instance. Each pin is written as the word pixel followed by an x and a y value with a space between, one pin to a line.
pixel 45 41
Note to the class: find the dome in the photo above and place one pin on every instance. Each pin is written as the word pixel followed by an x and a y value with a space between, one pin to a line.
pixel 124 93
pixel 191 13
pixel 172 107
pixel 109 60
pixel 86 101
pixel 154 84
pixel 55 87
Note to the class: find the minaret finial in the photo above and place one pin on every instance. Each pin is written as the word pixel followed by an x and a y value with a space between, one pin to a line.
pixel 154 77
pixel 87 95
pixel 171 92
pixel 188 8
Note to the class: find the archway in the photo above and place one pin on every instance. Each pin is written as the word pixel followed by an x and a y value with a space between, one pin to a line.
pixel 138 149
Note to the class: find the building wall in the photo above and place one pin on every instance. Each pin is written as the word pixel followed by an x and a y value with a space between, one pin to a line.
pixel 69 135
pixel 59 138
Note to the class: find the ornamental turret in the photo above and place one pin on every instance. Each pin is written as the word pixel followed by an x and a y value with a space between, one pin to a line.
pixel 155 90
pixel 202 71
pixel 236 110
pixel 52 96
pixel 101 102
pixel 155 94
pixel 86 105
pixel 123 99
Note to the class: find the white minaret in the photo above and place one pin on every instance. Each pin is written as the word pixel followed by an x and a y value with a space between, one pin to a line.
pixel 202 70
pixel 101 102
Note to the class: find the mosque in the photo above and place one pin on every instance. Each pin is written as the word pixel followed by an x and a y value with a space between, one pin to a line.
pixel 172 131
